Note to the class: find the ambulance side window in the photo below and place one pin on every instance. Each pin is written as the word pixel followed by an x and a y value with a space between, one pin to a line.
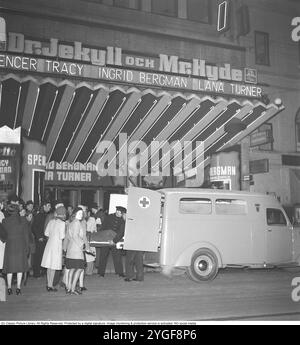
pixel 275 217
pixel 231 206
pixel 195 205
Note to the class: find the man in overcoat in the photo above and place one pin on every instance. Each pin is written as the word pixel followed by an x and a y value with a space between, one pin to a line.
pixel 38 228
pixel 115 222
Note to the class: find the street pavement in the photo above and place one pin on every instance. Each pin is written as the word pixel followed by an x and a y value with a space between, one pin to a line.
pixel 235 294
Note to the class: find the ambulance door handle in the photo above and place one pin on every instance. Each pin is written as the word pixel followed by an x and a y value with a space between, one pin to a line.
pixel 129 218
pixel 270 230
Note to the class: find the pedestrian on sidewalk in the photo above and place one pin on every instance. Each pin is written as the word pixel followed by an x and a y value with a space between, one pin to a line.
pixel 75 262
pixel 65 279
pixel 29 218
pixel 114 222
pixel 86 246
pixel 99 216
pixel 38 230
pixel 2 237
pixel 15 260
pixel 91 254
pixel 52 258
pixel 134 264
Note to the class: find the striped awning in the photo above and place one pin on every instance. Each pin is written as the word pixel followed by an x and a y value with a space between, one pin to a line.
pixel 73 119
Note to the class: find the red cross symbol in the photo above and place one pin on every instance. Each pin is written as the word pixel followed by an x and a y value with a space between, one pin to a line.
pixel 144 202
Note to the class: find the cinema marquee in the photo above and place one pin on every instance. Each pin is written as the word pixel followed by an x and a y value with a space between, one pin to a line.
pixel 112 64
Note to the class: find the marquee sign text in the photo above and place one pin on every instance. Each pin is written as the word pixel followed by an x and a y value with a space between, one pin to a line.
pixel 111 64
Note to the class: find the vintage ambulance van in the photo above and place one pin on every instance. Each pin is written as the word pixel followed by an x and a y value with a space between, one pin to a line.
pixel 203 230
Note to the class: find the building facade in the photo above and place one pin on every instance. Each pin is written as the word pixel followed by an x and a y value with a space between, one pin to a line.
pixel 93 84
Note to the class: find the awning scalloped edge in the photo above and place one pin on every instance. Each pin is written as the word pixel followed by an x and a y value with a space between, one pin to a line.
pixel 154 92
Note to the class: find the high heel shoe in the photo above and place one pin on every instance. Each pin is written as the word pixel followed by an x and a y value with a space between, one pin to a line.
pixel 18 291
pixel 9 291
pixel 48 288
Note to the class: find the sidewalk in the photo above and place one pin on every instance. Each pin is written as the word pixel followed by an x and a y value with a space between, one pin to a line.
pixel 108 298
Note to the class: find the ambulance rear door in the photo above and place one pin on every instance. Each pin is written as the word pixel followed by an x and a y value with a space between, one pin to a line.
pixel 143 220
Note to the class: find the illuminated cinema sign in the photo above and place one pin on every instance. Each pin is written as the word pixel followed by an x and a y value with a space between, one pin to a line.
pixel 10 150
pixel 113 64
pixel 75 174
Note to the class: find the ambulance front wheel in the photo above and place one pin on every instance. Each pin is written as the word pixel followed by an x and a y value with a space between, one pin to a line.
pixel 204 265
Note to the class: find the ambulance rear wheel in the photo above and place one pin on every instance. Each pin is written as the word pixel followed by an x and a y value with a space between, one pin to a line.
pixel 204 266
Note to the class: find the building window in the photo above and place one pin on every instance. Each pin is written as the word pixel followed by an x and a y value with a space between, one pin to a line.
pixel 297 123
pixel 195 205
pixel 166 7
pixel 199 10
pixel 267 130
pixel 262 56
pixel 262 138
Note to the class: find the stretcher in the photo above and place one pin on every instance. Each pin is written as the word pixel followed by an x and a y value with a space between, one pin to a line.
pixel 102 238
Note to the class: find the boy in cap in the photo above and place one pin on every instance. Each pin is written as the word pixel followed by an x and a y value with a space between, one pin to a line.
pixel 97 215
pixel 29 206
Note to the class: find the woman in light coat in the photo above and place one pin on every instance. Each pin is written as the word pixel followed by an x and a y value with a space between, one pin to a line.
pixel 75 262
pixel 52 257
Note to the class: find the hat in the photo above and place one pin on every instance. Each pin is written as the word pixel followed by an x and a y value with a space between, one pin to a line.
pixel 45 202
pixel 57 203
pixel 121 208
pixel 60 211
pixel 60 204
pixel 12 209
pixel 12 198
pixel 29 202
pixel 76 209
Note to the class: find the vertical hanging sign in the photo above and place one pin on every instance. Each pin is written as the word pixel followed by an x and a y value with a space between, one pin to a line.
pixel 9 161
pixel 33 170
pixel 2 34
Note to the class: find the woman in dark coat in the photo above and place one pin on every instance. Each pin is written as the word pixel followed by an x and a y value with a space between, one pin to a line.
pixel 17 247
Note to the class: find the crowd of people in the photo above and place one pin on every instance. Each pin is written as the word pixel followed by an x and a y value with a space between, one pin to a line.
pixel 53 240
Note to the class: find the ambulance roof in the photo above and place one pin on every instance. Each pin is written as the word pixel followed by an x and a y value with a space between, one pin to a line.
pixel 213 192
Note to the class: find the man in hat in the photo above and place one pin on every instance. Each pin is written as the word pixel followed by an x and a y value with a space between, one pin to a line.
pixel 99 216
pixel 115 222
pixel 134 263
pixel 87 246
pixel 38 227
pixel 51 214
